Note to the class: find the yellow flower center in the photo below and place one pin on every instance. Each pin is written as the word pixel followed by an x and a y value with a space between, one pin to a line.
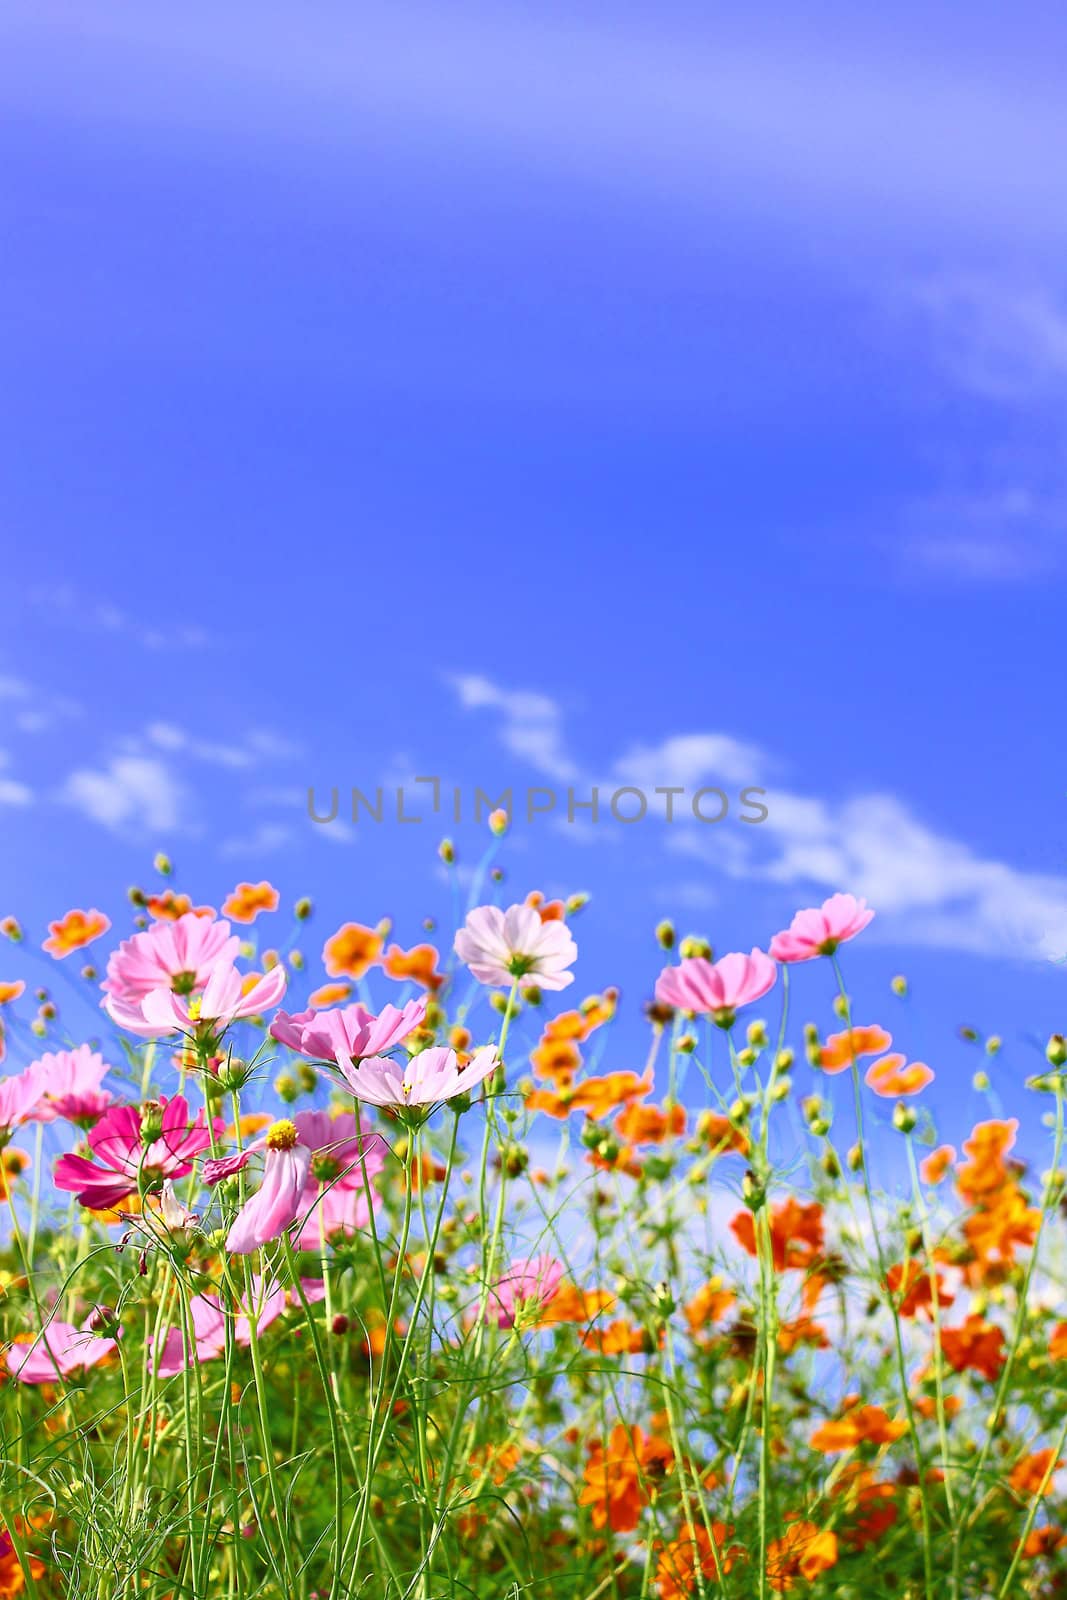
pixel 282 1135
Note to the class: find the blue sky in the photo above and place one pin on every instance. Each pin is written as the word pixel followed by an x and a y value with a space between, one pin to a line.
pixel 533 397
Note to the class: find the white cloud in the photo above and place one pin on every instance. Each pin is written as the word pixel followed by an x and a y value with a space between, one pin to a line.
pixel 133 794
pixel 531 725
pixel 12 793
pixel 927 887
pixel 996 339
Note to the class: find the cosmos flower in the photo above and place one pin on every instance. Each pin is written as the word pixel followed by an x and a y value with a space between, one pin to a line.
pixel 58 1350
pixel 718 988
pixel 135 1148
pixel 515 946
pixel 524 1291
pixel 248 899
pixel 19 1097
pixel 70 1085
pixel 425 1079
pixel 169 958
pixel 227 996
pixel 266 1301
pixel 819 932
pixel 74 931
pixel 348 1034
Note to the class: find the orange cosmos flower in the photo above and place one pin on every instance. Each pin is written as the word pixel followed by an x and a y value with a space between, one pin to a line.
pixel 802 1330
pixel 722 1137
pixel 251 1123
pixel 1033 1474
pixel 12 1573
pixel 621 1479
pixel 796 1233
pixel 419 964
pixel 1057 1347
pixel 937 1163
pixel 977 1345
pixel 571 1304
pixel 871 1505
pixel 861 1425
pixel 619 1338
pixel 558 1059
pixel 13 1163
pixel 329 994
pixel 926 1406
pixel 74 931
pixel 599 1096
pixel 691 1553
pixel 650 1124
pixel 842 1049
pixel 11 991
pixel 168 906
pixel 592 1014
pixel 986 1169
pixel 1043 1541
pixel 548 911
pixel 353 950
pixel 710 1303
pixel 803 1551
pixel 893 1076
pixel 914 1284
pixel 248 899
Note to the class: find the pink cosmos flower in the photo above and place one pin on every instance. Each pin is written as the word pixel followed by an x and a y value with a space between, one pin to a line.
pixel 134 1147
pixel 818 933
pixel 267 1301
pixel 18 1098
pixel 502 947
pixel 425 1079
pixel 58 1351
pixel 225 998
pixel 523 1291
pixel 303 1157
pixel 175 957
pixel 348 1033
pixel 70 1081
pixel 719 987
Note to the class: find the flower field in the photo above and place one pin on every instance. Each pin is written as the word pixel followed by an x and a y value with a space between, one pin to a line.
pixel 333 1268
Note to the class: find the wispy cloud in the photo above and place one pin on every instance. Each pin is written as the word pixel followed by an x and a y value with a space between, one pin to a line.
pixel 12 792
pixel 996 339
pixel 132 795
pixel 531 725
pixel 929 888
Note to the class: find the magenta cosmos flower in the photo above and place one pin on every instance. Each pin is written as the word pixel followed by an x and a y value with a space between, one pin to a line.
pixel 524 1291
pixel 57 1351
pixel 819 932
pixel 135 1149
pixel 717 987
pixel 227 995
pixel 173 957
pixel 348 1033
pixel 70 1085
pixel 424 1080
pixel 505 947
pixel 302 1156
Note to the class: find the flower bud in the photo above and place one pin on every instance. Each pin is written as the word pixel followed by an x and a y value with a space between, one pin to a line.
pixel 447 851
pixel 841 1006
pixel 533 995
pixel 830 1163
pixel 296 960
pixel 784 1059
pixel 340 1324
pixel 303 909
pixel 38 1028
pixel 90 974
pixel 756 1034
pixel 102 1319
pixel 686 1044
pixel 855 1158
pixel 693 947
pixel 747 1057
pixel 904 1117
pixel 665 934
pixel 286 1087
pixel 993 1044
pixel 151 1121
pixel 163 864
pixel 498 822
pixel 577 902
pixel 1056 1050
pixel 899 985
pixel 980 1081
pixel 781 1088
pixel 663 1301
pixel 12 930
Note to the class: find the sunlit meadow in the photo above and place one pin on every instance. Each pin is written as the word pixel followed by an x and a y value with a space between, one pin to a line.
pixel 333 1268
